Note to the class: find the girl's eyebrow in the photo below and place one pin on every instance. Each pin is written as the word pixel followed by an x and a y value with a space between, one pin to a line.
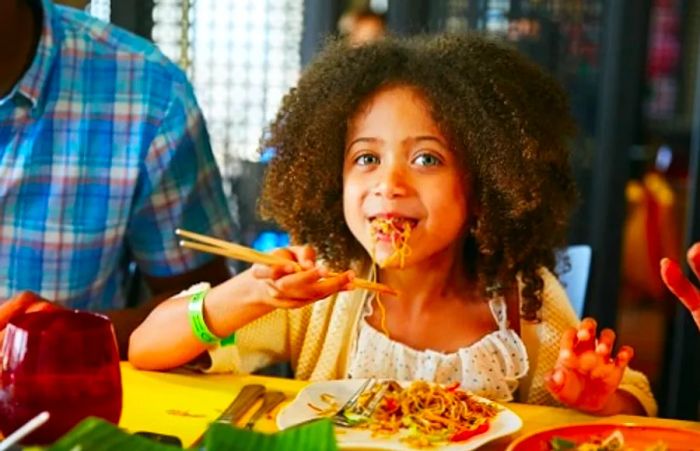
pixel 362 140
pixel 427 138
pixel 410 139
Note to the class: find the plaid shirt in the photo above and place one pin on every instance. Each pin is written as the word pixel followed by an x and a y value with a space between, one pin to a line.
pixel 103 153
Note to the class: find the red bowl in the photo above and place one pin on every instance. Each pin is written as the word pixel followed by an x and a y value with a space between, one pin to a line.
pixel 637 436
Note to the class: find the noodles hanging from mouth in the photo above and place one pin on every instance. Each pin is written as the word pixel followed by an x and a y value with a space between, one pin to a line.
pixel 399 232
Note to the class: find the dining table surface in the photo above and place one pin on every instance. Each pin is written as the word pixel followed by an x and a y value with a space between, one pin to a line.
pixel 182 403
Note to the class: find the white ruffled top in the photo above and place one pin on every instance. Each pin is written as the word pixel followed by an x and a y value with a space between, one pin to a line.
pixel 489 367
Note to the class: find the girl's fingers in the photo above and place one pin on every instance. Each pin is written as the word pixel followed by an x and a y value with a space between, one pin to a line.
pixel 332 285
pixel 567 359
pixel 554 381
pixel 292 283
pixel 605 371
pixel 272 272
pixel 568 339
pixel 679 285
pixel 563 385
pixel 300 257
pixel 305 255
pixel 587 328
pixel 586 335
pixel 284 253
pixel 624 356
pixel 588 361
pixel 567 356
pixel 308 285
pixel 606 342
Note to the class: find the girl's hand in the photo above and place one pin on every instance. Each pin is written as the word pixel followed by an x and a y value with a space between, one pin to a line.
pixel 586 376
pixel 679 285
pixel 286 288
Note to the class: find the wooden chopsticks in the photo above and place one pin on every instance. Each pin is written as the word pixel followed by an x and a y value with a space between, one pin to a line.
pixel 204 243
pixel 231 250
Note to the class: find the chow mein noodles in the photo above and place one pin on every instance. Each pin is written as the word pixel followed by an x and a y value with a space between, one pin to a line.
pixel 422 415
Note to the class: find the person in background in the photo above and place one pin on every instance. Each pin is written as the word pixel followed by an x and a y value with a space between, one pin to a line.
pixel 679 284
pixel 103 154
pixel 425 165
pixel 362 26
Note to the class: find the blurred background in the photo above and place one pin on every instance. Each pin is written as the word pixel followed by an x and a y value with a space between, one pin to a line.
pixel 630 68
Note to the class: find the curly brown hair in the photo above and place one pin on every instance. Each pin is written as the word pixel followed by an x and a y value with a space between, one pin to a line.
pixel 508 122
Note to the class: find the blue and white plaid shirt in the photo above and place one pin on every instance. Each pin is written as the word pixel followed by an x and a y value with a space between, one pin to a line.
pixel 103 153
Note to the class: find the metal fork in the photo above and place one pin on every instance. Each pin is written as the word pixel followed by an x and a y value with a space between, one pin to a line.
pixel 377 397
pixel 339 417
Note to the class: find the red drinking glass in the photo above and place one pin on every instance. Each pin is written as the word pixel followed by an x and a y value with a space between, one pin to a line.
pixel 63 361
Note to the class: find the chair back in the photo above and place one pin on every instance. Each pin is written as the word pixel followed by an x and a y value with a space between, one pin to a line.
pixel 575 280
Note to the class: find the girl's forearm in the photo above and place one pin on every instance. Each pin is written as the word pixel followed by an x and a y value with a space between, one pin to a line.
pixel 165 340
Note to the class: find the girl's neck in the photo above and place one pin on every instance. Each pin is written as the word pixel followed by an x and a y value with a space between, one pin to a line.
pixel 433 280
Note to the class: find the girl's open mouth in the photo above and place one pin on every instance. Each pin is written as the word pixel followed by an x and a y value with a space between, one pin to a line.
pixel 393 231
pixel 392 228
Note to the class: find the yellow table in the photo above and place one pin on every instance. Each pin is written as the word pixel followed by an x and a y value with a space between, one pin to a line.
pixel 182 404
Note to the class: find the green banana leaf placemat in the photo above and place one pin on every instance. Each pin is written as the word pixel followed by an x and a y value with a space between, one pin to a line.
pixel 99 435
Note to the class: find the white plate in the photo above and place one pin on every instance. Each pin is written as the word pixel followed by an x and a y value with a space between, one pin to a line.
pixel 505 423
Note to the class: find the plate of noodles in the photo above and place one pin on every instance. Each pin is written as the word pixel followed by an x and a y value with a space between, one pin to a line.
pixel 609 437
pixel 410 415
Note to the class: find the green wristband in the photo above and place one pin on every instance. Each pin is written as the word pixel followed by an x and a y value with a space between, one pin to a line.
pixel 195 311
pixel 230 340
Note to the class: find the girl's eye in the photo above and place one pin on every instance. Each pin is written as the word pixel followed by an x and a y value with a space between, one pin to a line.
pixel 427 159
pixel 366 159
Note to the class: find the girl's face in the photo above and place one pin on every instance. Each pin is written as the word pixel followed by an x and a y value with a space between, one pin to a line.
pixel 398 164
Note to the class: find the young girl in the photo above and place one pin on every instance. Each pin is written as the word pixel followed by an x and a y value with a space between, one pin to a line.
pixel 445 159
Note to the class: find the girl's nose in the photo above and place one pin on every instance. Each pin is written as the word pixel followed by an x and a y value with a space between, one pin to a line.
pixel 392 182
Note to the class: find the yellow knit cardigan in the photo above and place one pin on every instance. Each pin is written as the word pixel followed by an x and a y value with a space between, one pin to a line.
pixel 319 340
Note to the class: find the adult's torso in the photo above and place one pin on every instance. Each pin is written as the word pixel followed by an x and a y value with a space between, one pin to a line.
pixel 73 135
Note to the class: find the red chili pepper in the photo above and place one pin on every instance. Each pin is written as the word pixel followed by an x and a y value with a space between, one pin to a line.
pixel 466 434
pixel 391 405
pixel 452 387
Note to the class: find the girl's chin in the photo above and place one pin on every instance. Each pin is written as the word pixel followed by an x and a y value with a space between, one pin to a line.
pixel 390 260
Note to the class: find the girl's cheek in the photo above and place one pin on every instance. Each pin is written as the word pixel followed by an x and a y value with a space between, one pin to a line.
pixel 352 212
